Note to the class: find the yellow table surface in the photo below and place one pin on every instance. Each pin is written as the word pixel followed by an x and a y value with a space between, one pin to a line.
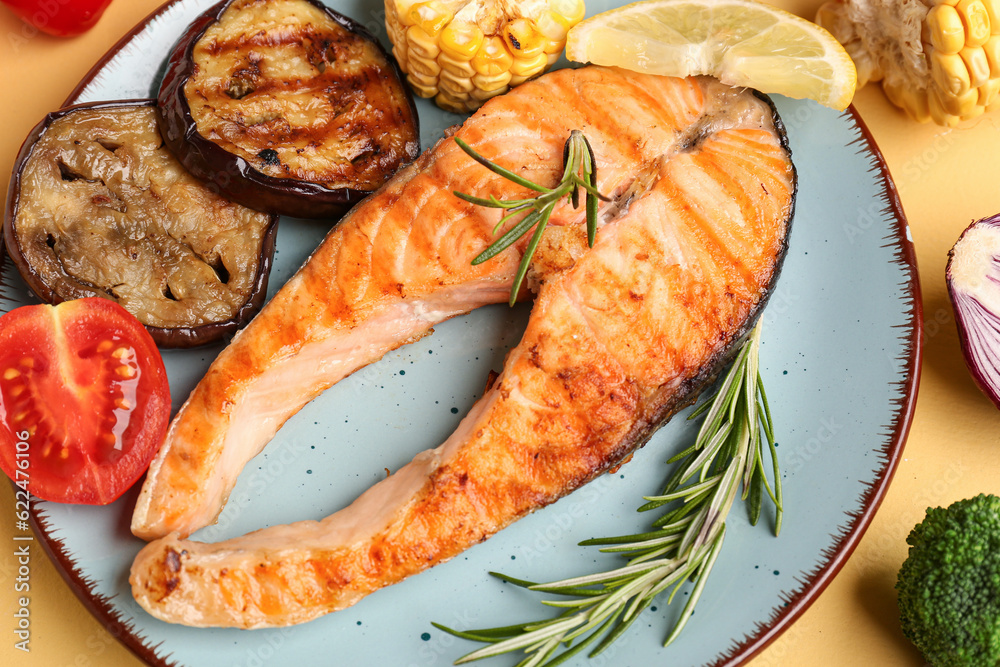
pixel 946 178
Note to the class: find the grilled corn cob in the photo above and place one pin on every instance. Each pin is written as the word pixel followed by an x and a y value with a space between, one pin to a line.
pixel 463 52
pixel 937 59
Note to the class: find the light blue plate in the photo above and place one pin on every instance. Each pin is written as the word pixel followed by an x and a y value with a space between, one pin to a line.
pixel 840 354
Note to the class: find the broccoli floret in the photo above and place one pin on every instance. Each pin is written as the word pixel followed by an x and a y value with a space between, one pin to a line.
pixel 949 585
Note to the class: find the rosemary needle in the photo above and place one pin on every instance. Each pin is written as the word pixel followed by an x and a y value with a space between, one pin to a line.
pixel 687 538
pixel 579 171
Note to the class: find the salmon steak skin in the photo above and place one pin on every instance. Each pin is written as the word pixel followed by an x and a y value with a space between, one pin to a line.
pixel 620 337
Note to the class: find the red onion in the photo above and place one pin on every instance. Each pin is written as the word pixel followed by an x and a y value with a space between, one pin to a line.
pixel 973 277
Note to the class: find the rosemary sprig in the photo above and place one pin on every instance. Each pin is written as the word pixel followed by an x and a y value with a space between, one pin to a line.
pixel 684 543
pixel 579 171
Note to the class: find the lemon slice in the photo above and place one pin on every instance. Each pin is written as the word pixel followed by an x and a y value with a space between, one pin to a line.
pixel 740 42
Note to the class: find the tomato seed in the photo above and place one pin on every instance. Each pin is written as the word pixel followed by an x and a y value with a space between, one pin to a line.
pixel 120 352
pixel 28 362
pixel 16 391
pixel 104 346
pixel 122 404
pixel 125 371
pixel 11 373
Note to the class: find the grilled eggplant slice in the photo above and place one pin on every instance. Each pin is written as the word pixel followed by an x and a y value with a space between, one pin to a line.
pixel 98 206
pixel 287 106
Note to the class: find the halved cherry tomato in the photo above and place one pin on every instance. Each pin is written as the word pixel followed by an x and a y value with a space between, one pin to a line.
pixel 62 18
pixel 84 401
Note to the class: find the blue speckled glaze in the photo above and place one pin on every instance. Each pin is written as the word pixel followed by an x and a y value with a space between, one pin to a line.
pixel 838 357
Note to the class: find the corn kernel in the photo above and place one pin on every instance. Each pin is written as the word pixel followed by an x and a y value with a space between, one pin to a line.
pixel 529 67
pixel 451 102
pixel 483 95
pixel 418 79
pixel 394 30
pixel 457 67
pixel 915 104
pixel 949 73
pixel 491 83
pixel 993 11
pixel 461 40
pixel 988 92
pixel 400 53
pixel 976 62
pixel 894 93
pixel 552 58
pixel 427 69
pixel 398 40
pixel 975 112
pixel 421 43
pixel 523 38
pixel 975 20
pixel 552 27
pixel 940 116
pixel 402 12
pixel 569 12
pixel 992 50
pixel 961 104
pixel 459 97
pixel 455 86
pixel 430 16
pixel 554 47
pixel 420 88
pixel 946 31
pixel 493 57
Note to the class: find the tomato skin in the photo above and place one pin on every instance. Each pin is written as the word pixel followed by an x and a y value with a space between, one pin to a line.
pixel 61 18
pixel 84 400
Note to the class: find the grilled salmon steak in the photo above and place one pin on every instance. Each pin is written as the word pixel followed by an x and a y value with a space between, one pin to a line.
pixel 621 336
